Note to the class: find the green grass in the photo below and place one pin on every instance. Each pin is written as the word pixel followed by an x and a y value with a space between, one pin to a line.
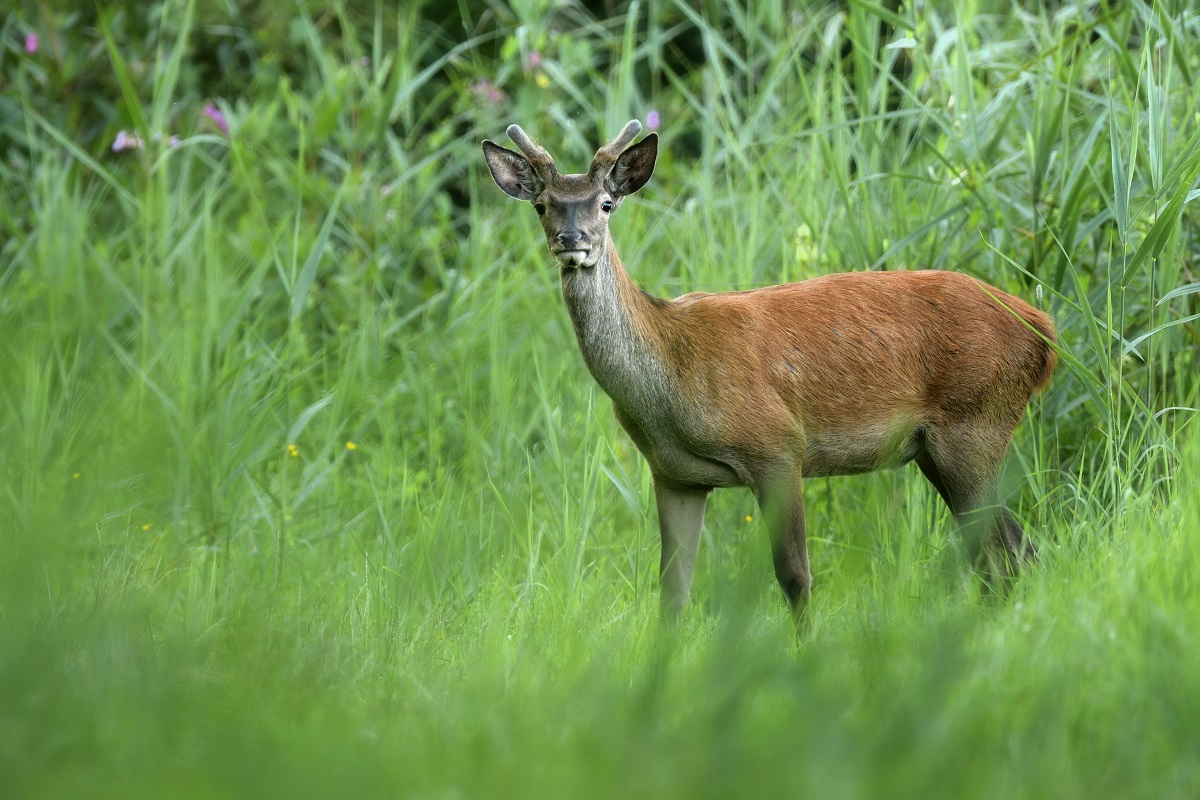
pixel 464 603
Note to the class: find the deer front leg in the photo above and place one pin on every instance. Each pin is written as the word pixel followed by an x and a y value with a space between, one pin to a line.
pixel 783 509
pixel 680 520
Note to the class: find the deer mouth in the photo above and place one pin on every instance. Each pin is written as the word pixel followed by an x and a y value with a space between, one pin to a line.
pixel 574 258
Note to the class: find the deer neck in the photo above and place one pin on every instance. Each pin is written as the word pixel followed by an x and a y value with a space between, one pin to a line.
pixel 616 325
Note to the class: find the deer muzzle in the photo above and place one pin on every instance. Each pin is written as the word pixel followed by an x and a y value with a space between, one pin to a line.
pixel 572 249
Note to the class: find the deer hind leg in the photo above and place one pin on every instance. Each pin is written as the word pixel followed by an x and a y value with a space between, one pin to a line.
pixel 963 463
pixel 782 507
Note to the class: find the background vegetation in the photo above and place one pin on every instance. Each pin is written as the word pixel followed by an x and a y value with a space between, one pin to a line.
pixel 306 489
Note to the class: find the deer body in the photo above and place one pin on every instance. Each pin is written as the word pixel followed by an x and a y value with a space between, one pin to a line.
pixel 842 374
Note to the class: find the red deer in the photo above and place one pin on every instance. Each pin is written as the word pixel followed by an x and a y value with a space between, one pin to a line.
pixel 841 374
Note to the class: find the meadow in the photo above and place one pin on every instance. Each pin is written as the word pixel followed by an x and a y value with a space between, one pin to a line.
pixel 307 490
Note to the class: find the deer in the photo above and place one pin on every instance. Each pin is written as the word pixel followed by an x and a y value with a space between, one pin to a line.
pixel 841 374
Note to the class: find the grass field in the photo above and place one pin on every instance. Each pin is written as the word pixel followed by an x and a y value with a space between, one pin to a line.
pixel 307 491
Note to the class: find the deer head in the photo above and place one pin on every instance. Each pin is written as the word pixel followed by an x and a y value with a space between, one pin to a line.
pixel 574 209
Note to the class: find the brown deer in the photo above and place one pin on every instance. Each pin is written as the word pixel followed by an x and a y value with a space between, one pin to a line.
pixel 837 375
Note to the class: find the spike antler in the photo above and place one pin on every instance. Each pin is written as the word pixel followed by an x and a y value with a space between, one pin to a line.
pixel 607 156
pixel 538 158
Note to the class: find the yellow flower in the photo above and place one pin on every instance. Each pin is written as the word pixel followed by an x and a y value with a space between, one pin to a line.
pixel 351 446
pixel 148 526
pixel 293 451
pixel 542 80
pixel 74 476
pixel 749 519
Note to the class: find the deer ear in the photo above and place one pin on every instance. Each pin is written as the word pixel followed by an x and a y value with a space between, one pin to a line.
pixel 634 167
pixel 511 171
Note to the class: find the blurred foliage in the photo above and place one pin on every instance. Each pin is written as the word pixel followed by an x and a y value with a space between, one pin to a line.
pixel 329 151
pixel 325 66
pixel 378 104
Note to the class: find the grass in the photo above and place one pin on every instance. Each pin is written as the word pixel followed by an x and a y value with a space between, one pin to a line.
pixel 206 591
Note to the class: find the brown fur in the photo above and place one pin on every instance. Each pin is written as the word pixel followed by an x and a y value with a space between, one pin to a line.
pixel 828 355
pixel 841 374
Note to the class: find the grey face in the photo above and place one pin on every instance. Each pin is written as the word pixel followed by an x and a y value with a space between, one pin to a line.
pixel 574 209
pixel 574 214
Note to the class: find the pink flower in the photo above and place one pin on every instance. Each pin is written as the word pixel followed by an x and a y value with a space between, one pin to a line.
pixel 488 92
pixel 31 43
pixel 652 120
pixel 535 59
pixel 127 141
pixel 214 113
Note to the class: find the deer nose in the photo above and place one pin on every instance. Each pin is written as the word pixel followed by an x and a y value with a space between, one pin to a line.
pixel 571 240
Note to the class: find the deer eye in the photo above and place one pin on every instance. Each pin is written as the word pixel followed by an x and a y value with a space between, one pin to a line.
pixel 606 206
pixel 538 207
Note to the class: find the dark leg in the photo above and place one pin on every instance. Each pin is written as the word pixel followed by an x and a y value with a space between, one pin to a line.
pixel 783 509
pixel 963 464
